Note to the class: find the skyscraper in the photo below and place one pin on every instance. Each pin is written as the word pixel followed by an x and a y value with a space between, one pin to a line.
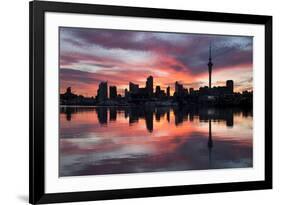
pixel 102 91
pixel 68 90
pixel 126 93
pixel 176 86
pixel 210 66
pixel 178 89
pixel 112 92
pixel 149 86
pixel 168 91
pixel 158 91
pixel 133 88
pixel 230 85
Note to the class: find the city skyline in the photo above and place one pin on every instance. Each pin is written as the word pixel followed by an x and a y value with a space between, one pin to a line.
pixel 91 56
pixel 110 91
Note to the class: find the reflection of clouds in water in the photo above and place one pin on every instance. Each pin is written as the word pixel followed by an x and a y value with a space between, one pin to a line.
pixel 129 149
pixel 189 155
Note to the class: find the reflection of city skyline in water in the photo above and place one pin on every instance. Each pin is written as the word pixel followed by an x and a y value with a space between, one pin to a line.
pixel 173 119
pixel 147 113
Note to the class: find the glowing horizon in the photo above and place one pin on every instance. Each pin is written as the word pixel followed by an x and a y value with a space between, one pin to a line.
pixel 90 56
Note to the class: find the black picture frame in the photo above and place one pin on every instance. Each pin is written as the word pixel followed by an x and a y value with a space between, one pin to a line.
pixel 37 194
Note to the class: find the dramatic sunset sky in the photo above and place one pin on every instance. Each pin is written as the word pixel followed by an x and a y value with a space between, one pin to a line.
pixel 89 56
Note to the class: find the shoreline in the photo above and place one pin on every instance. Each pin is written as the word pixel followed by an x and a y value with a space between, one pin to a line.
pixel 159 106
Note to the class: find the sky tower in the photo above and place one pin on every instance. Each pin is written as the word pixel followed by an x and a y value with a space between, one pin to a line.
pixel 210 65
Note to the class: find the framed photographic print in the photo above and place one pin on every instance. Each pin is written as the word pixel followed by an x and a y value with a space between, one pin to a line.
pixel 140 102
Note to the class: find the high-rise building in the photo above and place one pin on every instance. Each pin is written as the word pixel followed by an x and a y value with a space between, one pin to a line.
pixel 68 90
pixel 158 91
pixel 126 93
pixel 102 91
pixel 168 91
pixel 210 66
pixel 133 88
pixel 178 89
pixel 185 91
pixel 112 92
pixel 230 85
pixel 149 86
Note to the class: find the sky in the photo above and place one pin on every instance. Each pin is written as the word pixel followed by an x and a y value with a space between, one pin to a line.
pixel 89 56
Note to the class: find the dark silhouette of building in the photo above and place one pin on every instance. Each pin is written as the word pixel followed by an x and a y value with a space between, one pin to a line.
pixel 112 92
pixel 68 95
pixel 158 91
pixel 149 86
pixel 210 66
pixel 126 93
pixel 168 91
pixel 102 92
pixel 206 96
pixel 69 98
pixel 185 91
pixel 205 90
pixel 180 91
pixel 143 93
pixel 177 87
pixel 219 90
pixel 230 85
pixel 68 90
pixel 133 88
pixel 191 90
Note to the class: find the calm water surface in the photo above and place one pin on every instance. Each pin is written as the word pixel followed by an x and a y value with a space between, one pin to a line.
pixel 114 140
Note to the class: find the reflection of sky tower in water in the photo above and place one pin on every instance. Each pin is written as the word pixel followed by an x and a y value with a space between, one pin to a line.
pixel 210 143
pixel 210 66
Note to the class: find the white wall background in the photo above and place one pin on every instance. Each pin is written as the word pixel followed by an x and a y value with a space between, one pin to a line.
pixel 14 44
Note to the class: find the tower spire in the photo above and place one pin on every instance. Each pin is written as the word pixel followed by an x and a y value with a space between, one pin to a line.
pixel 210 65
pixel 210 52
